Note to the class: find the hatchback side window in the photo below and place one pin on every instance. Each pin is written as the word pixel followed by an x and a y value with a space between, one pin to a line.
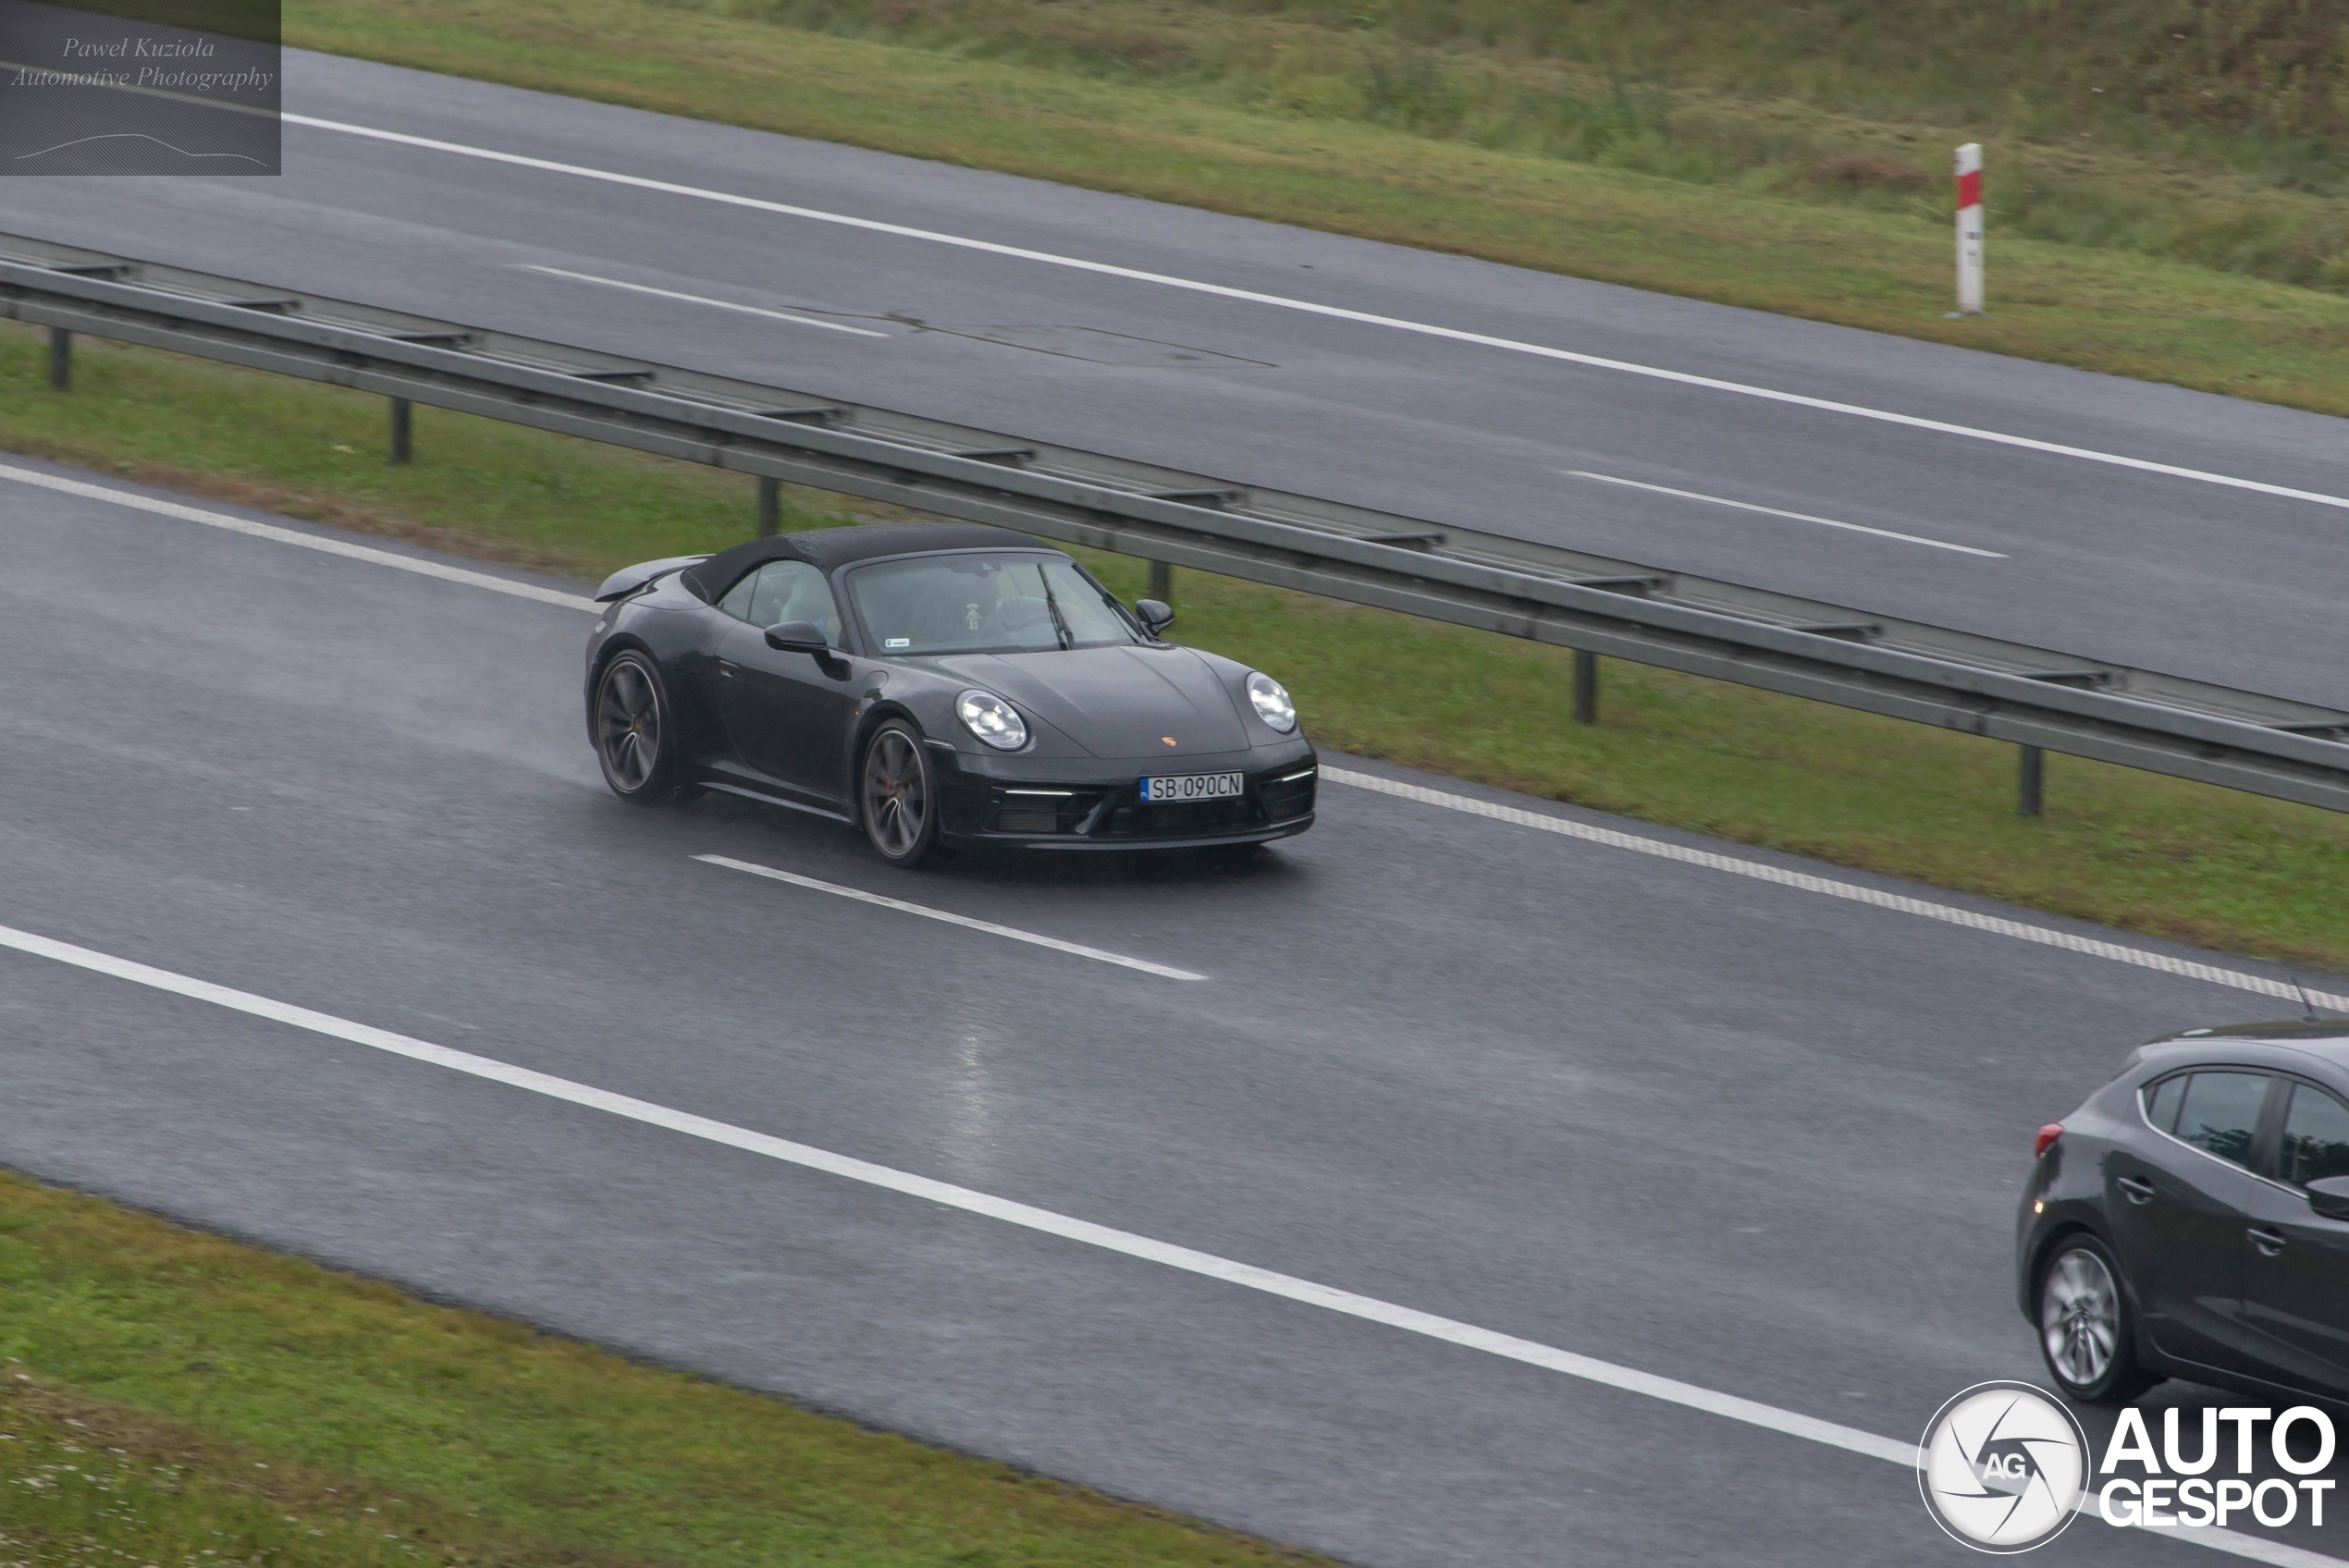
pixel 2221 1113
pixel 2315 1137
pixel 2161 1102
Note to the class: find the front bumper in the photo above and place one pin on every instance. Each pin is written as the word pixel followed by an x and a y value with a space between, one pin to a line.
pixel 1059 804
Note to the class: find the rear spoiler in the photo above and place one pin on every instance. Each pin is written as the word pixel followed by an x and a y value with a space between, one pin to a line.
pixel 628 578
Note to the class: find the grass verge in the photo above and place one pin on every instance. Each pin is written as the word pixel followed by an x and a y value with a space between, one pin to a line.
pixel 1839 243
pixel 173 1399
pixel 2233 871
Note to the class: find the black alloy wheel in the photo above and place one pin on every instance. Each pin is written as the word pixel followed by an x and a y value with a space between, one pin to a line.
pixel 634 736
pixel 2086 1334
pixel 898 793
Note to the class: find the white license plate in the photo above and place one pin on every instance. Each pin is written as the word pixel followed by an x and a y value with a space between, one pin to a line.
pixel 1194 786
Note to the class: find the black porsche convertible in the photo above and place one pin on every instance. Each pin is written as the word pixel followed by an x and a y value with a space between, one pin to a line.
pixel 937 683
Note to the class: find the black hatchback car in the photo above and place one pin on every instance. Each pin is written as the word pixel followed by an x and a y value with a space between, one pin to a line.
pixel 2192 1219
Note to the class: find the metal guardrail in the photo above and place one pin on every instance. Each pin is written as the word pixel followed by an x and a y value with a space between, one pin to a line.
pixel 2037 698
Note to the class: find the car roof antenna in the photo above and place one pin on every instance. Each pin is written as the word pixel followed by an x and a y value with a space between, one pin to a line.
pixel 2307 1007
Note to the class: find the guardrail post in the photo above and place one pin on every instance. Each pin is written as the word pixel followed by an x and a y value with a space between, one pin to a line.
pixel 1162 583
pixel 770 507
pixel 1586 687
pixel 60 360
pixel 2029 777
pixel 401 421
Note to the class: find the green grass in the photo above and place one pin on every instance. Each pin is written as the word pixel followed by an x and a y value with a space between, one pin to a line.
pixel 1727 161
pixel 173 1399
pixel 2233 871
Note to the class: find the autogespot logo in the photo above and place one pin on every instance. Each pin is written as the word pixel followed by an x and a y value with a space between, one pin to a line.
pixel 2002 1467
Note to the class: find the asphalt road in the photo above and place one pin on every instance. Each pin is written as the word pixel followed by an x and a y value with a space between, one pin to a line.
pixel 1753 1138
pixel 2158 572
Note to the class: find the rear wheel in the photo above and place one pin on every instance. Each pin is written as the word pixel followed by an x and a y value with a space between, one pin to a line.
pixel 635 734
pixel 897 794
pixel 2085 1331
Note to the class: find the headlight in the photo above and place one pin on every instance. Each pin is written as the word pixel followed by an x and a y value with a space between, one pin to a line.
pixel 1272 702
pixel 992 719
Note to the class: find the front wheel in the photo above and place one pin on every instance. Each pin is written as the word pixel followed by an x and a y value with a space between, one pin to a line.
pixel 897 794
pixel 2085 1334
pixel 635 734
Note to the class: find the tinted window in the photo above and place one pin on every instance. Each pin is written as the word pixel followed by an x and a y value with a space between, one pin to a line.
pixel 2221 1113
pixel 2161 1101
pixel 784 591
pixel 973 604
pixel 2315 1137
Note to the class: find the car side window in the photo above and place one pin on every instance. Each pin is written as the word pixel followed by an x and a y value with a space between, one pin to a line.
pixel 782 591
pixel 2161 1102
pixel 2315 1137
pixel 2221 1113
pixel 737 600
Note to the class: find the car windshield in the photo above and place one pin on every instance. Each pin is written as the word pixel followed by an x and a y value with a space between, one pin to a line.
pixel 981 604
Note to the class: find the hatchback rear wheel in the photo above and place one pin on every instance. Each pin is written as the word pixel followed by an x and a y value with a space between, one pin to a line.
pixel 2086 1333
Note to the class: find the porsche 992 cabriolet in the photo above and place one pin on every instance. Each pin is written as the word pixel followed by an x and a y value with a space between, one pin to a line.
pixel 937 683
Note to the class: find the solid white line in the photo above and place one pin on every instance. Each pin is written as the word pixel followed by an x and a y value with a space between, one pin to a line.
pixel 796 880
pixel 1189 1260
pixel 699 299
pixel 1773 511
pixel 1309 307
pixel 290 536
pixel 1946 913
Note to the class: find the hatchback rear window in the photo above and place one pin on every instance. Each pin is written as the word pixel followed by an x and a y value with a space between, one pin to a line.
pixel 2315 1137
pixel 2221 1113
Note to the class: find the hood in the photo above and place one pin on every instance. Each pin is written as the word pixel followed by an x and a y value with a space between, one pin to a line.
pixel 1121 702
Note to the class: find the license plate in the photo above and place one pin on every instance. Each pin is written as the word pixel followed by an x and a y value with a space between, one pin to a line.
pixel 1194 786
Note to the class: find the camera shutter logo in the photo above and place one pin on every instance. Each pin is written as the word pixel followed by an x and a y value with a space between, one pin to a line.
pixel 2003 1467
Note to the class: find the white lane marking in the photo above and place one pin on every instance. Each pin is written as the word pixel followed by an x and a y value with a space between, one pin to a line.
pixel 1773 511
pixel 701 300
pixel 1947 913
pixel 290 536
pixel 1468 1335
pixel 1309 307
pixel 796 880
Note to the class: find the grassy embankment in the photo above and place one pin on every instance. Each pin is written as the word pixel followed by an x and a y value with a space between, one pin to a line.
pixel 2188 223
pixel 2210 866
pixel 173 1399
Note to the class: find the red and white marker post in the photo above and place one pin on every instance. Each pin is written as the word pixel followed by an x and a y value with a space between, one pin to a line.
pixel 1970 230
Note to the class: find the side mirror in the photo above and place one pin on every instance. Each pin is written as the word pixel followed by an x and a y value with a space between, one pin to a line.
pixel 1156 615
pixel 2328 1195
pixel 797 637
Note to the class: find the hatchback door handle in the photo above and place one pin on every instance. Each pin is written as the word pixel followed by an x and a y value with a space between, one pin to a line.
pixel 2269 1243
pixel 2137 1188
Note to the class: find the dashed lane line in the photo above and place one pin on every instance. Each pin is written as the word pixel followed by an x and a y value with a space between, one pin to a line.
pixel 951 918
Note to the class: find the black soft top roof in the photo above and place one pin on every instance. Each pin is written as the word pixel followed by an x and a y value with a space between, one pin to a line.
pixel 826 548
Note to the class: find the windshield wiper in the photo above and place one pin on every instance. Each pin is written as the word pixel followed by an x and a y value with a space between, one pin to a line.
pixel 1060 624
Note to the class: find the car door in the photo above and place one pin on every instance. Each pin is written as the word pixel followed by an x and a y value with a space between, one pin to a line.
pixel 786 714
pixel 2296 1280
pixel 2179 1197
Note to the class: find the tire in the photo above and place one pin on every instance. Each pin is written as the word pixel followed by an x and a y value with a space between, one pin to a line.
pixel 636 731
pixel 897 794
pixel 2087 1332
